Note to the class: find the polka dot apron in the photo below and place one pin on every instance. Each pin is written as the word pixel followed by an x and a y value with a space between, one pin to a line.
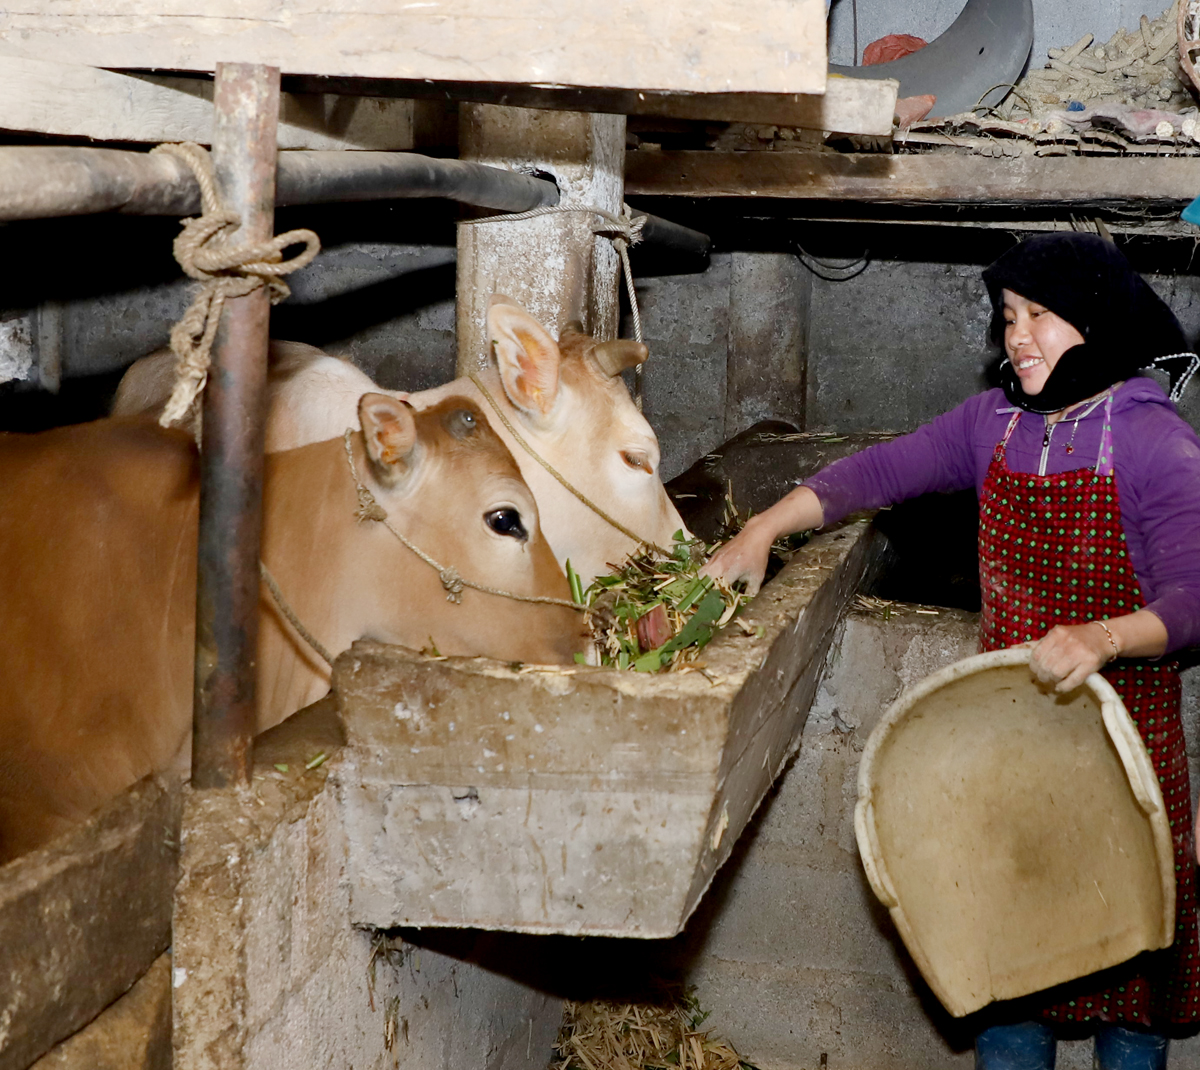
pixel 1052 551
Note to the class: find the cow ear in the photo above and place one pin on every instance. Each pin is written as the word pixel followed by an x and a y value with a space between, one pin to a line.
pixel 389 434
pixel 527 356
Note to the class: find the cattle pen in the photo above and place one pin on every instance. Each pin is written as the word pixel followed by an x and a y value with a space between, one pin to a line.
pixel 422 868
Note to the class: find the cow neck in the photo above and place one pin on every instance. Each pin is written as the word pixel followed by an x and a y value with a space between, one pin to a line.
pixel 556 474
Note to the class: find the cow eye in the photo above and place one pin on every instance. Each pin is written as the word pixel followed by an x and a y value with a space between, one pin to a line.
pixel 636 459
pixel 506 522
pixel 461 423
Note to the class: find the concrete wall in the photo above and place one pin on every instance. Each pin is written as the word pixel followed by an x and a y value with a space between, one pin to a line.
pixel 791 951
pixel 268 972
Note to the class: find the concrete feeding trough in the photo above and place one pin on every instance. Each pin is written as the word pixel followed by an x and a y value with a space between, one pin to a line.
pixel 586 801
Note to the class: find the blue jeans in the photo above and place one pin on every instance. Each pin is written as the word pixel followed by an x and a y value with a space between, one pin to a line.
pixel 1031 1046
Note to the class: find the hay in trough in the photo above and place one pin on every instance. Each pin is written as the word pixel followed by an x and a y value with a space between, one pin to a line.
pixel 663 1035
pixel 655 613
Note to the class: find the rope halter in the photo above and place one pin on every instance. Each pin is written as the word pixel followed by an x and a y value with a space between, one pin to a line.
pixel 369 509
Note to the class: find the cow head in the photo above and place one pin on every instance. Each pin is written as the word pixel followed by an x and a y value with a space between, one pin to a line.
pixel 571 405
pixel 450 485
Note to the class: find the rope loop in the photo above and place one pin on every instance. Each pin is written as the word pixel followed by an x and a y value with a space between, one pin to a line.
pixel 206 253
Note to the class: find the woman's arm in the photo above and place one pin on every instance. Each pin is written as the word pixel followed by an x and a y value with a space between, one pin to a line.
pixel 936 457
pixel 744 557
pixel 1068 653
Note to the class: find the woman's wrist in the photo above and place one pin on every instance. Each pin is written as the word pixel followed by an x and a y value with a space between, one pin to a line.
pixel 1114 647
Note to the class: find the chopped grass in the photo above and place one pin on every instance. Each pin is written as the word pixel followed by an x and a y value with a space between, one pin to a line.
pixel 693 607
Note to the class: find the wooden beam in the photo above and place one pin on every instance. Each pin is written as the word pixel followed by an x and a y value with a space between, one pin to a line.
pixel 932 177
pixel 704 46
pixel 848 105
pixel 66 99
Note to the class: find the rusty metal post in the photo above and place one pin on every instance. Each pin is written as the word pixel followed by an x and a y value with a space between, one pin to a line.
pixel 246 109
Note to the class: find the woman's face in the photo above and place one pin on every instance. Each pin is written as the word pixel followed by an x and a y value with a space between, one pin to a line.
pixel 1034 339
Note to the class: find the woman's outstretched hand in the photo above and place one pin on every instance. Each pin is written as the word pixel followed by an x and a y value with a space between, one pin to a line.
pixel 744 557
pixel 1069 653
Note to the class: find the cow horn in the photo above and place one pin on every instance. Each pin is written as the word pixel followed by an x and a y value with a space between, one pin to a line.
pixel 621 353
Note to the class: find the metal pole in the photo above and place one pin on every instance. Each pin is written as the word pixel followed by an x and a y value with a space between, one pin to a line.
pixel 231 460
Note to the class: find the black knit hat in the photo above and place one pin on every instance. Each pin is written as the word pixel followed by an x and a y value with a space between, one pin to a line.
pixel 1088 282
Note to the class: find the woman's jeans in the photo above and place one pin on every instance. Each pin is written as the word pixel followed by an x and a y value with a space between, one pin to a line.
pixel 1031 1045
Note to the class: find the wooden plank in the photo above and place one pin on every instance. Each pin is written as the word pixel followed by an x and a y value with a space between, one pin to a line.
pixel 82 919
pixel 848 105
pixel 61 98
pixel 703 46
pixel 944 177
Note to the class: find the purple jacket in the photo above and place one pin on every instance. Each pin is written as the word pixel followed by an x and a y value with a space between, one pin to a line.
pixel 1156 456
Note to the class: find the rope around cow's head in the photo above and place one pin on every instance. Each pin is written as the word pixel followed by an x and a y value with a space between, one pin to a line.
pixel 557 475
pixel 369 509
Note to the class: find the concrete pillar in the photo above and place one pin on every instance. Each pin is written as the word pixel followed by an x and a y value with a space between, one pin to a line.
pixel 553 265
pixel 769 297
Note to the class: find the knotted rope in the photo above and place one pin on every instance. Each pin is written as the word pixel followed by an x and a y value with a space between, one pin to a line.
pixel 555 473
pixel 204 251
pixel 370 509
pixel 622 230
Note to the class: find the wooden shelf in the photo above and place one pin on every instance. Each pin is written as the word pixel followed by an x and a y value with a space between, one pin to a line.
pixel 1063 183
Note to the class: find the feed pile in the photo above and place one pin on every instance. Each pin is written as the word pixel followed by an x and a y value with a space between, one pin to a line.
pixel 656 613
pixel 607 1035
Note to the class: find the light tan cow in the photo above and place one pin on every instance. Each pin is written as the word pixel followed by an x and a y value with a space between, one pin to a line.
pixel 97 574
pixel 565 398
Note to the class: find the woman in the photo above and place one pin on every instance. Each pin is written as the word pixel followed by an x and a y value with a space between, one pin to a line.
pixel 1089 546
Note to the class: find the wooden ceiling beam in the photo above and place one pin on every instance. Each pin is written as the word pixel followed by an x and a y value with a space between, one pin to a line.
pixel 703 46
pixel 948 178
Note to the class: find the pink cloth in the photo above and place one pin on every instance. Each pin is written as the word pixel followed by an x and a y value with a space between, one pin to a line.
pixel 893 46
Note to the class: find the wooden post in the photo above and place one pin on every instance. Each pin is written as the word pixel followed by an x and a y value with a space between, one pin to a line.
pixel 231 460
pixel 553 265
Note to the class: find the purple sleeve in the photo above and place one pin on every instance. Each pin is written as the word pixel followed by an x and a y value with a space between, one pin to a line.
pixel 1167 500
pixel 936 457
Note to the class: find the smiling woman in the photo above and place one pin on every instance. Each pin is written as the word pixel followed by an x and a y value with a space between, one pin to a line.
pixel 1089 549
pixel 1034 339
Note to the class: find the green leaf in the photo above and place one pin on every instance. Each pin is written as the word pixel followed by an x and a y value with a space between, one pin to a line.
pixel 580 659
pixel 575 583
pixel 316 761
pixel 707 612
pixel 281 766
pixel 699 586
pixel 651 662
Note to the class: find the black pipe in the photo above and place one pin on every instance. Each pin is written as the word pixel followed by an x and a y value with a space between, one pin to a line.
pixel 664 234
pixel 40 182
pixel 46 181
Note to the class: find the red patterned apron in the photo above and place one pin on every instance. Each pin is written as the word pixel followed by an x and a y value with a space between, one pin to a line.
pixel 1052 551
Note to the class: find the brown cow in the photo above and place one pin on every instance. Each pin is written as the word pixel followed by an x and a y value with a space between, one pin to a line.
pixel 566 398
pixel 97 570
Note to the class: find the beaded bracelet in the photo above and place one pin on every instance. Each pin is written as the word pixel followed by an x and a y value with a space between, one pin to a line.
pixel 1116 653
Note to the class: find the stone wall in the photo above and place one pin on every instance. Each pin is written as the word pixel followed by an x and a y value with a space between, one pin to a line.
pixel 791 951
